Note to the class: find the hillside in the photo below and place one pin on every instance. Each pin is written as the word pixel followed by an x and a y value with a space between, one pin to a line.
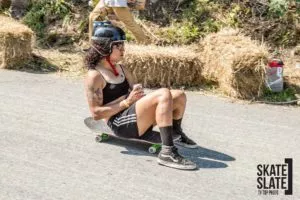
pixel 61 27
pixel 276 22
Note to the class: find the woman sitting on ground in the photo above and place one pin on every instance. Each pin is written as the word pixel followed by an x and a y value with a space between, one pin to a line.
pixel 127 111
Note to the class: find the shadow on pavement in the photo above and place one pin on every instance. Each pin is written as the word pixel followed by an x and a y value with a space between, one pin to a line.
pixel 206 153
pixel 37 65
pixel 202 163
pixel 203 157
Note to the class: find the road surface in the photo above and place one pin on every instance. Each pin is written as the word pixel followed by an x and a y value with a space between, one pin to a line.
pixel 46 152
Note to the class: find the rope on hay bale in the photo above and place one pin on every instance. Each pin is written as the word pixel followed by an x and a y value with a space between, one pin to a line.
pixel 15 43
pixel 163 66
pixel 235 63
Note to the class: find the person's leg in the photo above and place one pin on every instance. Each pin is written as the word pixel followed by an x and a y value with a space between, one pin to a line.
pixel 179 104
pixel 98 14
pixel 157 107
pixel 149 103
pixel 124 15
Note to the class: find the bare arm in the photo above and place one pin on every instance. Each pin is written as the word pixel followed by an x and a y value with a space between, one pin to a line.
pixel 94 84
pixel 139 92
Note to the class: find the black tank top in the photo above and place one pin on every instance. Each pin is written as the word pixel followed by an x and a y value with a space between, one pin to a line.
pixel 113 91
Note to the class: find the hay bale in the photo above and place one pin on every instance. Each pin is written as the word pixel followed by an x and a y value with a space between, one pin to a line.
pixel 235 63
pixel 291 69
pixel 163 66
pixel 15 42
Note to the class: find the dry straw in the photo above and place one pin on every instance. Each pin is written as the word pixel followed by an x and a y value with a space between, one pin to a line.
pixel 291 68
pixel 235 63
pixel 15 42
pixel 163 66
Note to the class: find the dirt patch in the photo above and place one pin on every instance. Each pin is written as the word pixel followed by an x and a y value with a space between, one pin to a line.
pixel 66 64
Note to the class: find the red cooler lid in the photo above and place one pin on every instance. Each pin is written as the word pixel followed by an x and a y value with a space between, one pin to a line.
pixel 275 63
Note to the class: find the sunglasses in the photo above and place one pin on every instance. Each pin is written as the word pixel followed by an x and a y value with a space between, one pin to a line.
pixel 119 45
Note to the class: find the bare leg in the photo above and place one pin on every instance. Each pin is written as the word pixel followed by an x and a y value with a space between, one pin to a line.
pixel 179 104
pixel 178 109
pixel 156 107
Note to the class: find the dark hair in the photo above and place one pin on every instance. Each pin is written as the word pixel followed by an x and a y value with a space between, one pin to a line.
pixel 93 55
pixel 103 35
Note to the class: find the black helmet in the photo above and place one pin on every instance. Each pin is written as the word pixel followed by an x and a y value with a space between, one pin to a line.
pixel 105 30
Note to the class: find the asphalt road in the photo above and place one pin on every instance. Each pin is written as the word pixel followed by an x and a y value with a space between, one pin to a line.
pixel 46 152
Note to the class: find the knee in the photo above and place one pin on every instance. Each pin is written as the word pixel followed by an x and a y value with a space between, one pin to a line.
pixel 181 95
pixel 164 95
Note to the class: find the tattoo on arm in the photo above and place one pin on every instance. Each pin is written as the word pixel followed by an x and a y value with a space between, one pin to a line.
pixel 95 95
pixel 99 95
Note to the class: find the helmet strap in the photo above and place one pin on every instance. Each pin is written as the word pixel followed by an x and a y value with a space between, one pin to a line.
pixel 116 73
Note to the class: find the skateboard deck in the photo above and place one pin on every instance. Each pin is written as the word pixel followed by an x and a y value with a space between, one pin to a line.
pixel 104 133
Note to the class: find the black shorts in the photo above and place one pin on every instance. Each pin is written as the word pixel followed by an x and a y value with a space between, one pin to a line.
pixel 124 123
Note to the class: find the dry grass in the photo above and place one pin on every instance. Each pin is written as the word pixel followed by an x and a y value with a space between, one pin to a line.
pixel 291 73
pixel 153 66
pixel 174 66
pixel 15 43
pixel 67 64
pixel 232 61
pixel 235 63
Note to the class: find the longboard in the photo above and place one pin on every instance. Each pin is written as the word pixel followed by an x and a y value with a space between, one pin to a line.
pixel 104 133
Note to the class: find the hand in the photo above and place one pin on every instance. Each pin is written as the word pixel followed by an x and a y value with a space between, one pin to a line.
pixel 136 94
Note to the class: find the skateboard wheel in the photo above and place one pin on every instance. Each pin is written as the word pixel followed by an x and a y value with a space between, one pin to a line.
pixel 98 138
pixel 102 137
pixel 152 150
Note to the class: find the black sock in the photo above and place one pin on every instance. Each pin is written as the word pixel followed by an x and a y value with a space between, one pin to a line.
pixel 177 124
pixel 166 135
